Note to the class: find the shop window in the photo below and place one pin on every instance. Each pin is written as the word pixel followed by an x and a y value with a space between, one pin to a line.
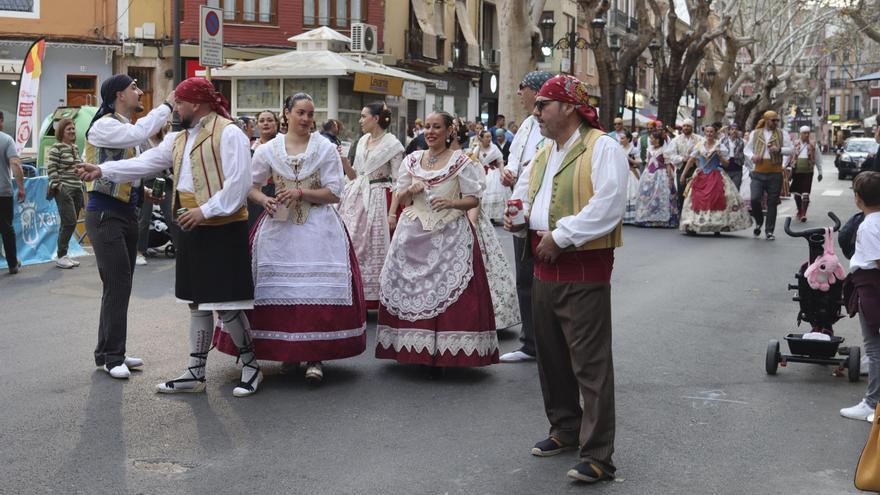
pixel 316 88
pixel 246 11
pixel 81 90
pixel 23 9
pixel 333 13
pixel 258 94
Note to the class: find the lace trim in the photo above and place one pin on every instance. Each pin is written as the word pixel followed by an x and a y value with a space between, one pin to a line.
pixel 421 291
pixel 304 274
pixel 455 164
pixel 436 343
pixel 279 301
pixel 304 336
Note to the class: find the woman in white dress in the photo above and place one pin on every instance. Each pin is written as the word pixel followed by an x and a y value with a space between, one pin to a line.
pixel 495 197
pixel 501 283
pixel 366 200
pixel 436 306
pixel 308 299
pixel 632 185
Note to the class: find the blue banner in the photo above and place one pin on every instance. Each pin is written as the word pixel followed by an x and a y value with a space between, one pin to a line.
pixel 36 225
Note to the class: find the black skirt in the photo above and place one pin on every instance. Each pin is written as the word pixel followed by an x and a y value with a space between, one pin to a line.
pixel 214 264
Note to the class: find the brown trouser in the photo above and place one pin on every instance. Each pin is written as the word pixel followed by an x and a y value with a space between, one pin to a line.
pixel 573 340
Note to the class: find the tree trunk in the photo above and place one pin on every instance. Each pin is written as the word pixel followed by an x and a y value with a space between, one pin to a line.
pixel 517 53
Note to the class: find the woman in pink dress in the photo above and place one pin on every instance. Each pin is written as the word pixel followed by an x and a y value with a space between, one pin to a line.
pixel 436 307
pixel 366 200
pixel 308 299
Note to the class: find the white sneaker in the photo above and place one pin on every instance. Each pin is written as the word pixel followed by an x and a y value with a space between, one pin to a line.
pixel 870 418
pixel 516 357
pixel 65 263
pixel 863 366
pixel 120 371
pixel 140 260
pixel 133 362
pixel 860 411
pixel 75 263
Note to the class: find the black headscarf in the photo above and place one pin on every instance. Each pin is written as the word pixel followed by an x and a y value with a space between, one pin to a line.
pixel 109 89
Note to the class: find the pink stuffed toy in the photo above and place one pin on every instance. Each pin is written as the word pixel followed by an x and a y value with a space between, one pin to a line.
pixel 825 270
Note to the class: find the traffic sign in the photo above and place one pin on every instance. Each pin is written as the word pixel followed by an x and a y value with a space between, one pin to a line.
pixel 211 37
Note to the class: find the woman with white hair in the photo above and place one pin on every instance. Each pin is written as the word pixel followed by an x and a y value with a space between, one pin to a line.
pixel 801 163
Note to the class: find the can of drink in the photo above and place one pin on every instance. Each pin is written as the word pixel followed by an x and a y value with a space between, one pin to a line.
pixel 516 212
pixel 181 211
pixel 159 188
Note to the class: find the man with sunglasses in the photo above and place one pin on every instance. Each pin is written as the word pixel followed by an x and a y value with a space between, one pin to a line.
pixel 766 147
pixel 575 203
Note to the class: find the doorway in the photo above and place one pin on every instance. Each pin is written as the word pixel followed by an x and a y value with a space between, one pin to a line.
pixel 144 78
pixel 81 90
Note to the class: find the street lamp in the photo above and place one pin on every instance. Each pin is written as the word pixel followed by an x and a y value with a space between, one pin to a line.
pixel 619 99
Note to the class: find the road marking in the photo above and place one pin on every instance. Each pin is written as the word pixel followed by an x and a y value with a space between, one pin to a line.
pixel 833 192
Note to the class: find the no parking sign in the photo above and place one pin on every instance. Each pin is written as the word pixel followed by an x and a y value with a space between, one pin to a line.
pixel 211 37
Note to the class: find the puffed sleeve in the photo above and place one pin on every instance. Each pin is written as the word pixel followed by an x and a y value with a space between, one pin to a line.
pixel 472 180
pixel 260 165
pixel 394 163
pixel 404 178
pixel 331 168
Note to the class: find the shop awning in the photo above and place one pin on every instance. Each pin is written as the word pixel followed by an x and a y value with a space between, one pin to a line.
pixel 464 22
pixel 868 77
pixel 425 17
pixel 312 64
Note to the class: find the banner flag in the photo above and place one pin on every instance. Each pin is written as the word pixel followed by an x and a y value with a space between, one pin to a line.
pixel 29 88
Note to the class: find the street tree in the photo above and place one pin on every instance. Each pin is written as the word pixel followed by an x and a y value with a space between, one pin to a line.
pixel 866 15
pixel 520 41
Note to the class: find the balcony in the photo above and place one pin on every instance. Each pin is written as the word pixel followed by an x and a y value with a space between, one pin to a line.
pixel 853 115
pixel 838 83
pixel 415 48
pixel 619 18
pixel 461 62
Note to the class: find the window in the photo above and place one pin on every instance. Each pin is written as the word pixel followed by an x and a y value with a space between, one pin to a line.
pixel 857 103
pixel 332 13
pixel 23 9
pixel 81 90
pixel 832 105
pixel 246 11
pixel 258 94
pixel 875 105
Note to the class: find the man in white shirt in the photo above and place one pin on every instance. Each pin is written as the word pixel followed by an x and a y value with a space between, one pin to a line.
pixel 523 148
pixel 801 163
pixel 766 147
pixel 576 195
pixel 111 212
pixel 212 177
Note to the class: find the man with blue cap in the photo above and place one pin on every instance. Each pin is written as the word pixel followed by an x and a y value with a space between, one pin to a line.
pixel 111 212
pixel 525 145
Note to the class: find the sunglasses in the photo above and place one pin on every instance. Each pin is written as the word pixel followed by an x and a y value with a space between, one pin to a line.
pixel 540 104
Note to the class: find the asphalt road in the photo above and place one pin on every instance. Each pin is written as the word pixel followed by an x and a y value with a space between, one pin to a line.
pixel 695 411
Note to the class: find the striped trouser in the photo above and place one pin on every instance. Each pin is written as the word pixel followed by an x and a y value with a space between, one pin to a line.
pixel 114 239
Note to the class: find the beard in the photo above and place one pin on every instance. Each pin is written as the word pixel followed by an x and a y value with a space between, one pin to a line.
pixel 139 107
pixel 186 122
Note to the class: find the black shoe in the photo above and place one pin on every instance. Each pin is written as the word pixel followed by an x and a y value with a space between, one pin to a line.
pixel 770 236
pixel 550 447
pixel 589 472
pixel 757 232
pixel 14 269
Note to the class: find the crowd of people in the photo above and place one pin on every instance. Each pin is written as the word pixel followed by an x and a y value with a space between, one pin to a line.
pixel 291 239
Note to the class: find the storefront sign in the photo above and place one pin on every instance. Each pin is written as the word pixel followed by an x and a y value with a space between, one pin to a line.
pixel 489 85
pixel 833 117
pixel 442 85
pixel 36 222
pixel 211 37
pixel 414 90
pixel 10 67
pixel 29 88
pixel 380 85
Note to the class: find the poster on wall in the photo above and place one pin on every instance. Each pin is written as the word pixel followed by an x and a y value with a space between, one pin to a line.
pixel 29 87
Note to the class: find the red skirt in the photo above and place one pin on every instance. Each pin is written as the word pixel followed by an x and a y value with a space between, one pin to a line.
pixel 464 335
pixel 306 332
pixel 707 191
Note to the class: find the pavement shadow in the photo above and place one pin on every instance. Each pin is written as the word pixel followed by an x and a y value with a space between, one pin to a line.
pixel 413 373
pixel 335 376
pixel 98 462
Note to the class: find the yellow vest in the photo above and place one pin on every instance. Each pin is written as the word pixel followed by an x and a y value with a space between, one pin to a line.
pixel 98 155
pixel 206 166
pixel 572 186
pixel 774 164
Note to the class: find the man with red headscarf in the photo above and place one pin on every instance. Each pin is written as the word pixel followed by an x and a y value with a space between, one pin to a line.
pixel 577 195
pixel 212 176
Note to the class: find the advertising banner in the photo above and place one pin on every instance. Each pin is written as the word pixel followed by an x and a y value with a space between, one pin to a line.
pixel 29 88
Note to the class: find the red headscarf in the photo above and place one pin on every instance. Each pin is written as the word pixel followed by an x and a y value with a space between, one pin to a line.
pixel 569 89
pixel 200 90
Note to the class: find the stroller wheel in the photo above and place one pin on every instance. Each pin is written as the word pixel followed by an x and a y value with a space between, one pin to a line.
pixel 854 363
pixel 170 251
pixel 771 363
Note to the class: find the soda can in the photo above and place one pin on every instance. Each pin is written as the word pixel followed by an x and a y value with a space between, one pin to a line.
pixel 159 188
pixel 516 212
pixel 181 211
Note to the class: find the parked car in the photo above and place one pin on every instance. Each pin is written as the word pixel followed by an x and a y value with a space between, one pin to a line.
pixel 854 153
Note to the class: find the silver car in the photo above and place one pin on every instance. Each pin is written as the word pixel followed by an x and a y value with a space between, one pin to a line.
pixel 855 151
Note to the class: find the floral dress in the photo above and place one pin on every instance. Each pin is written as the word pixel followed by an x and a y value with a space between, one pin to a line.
pixel 712 202
pixel 657 203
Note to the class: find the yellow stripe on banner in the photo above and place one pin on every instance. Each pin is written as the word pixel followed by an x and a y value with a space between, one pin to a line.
pixel 38 64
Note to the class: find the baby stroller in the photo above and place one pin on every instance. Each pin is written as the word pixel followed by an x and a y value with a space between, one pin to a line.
pixel 820 309
pixel 160 235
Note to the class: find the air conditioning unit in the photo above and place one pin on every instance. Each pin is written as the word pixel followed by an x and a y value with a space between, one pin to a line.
pixel 364 38
pixel 128 48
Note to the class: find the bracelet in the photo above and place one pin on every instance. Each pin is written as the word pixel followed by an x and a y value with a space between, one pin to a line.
pixel 170 106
